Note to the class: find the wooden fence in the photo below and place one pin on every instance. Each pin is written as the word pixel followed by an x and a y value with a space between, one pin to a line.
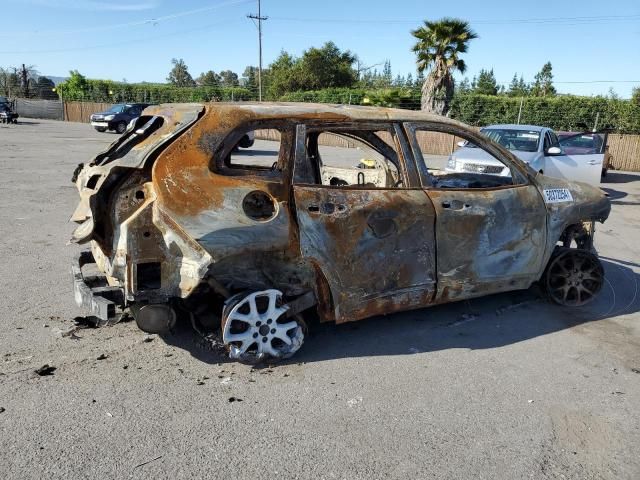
pixel 81 111
pixel 625 149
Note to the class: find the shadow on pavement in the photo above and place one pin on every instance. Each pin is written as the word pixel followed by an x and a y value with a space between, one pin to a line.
pixel 620 177
pixel 487 322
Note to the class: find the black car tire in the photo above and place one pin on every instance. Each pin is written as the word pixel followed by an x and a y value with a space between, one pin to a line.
pixel 101 129
pixel 121 127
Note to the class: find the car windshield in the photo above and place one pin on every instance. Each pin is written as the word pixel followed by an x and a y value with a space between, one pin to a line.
pixel 116 109
pixel 511 139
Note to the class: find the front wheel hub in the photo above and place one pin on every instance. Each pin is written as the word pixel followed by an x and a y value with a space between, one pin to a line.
pixel 255 327
pixel 574 277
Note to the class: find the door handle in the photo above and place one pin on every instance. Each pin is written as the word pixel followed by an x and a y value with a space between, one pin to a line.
pixel 593 162
pixel 454 205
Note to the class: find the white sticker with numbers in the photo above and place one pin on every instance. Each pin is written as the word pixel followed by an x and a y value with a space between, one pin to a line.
pixel 557 195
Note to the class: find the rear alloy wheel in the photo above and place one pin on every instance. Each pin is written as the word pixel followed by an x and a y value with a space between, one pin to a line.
pixel 121 127
pixel 255 327
pixel 573 277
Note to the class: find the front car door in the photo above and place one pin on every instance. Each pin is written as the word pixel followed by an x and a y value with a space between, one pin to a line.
pixel 490 229
pixel 363 219
pixel 575 163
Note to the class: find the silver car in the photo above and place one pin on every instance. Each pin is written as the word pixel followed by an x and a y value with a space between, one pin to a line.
pixel 537 146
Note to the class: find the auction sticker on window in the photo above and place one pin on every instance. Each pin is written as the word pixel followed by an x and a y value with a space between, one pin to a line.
pixel 557 195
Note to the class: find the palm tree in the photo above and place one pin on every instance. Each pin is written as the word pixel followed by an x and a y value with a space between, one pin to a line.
pixel 439 47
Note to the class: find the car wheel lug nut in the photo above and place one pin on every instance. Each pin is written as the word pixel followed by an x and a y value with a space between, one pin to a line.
pixel 273 330
pixel 264 339
pixel 255 335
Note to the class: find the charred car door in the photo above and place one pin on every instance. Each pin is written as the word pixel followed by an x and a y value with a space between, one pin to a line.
pixel 362 220
pixel 490 229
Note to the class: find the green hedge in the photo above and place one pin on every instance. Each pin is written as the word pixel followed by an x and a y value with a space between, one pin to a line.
pixel 564 112
pixel 561 113
pixel 108 91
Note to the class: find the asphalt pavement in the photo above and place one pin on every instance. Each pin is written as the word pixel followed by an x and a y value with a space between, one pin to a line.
pixel 503 387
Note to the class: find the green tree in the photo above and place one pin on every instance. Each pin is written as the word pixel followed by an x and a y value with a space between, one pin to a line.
pixel 281 75
pixel 208 79
pixel 543 82
pixel 438 48
pixel 464 86
pixel 486 83
pixel 179 75
pixel 326 67
pixel 318 68
pixel 518 87
pixel 635 95
pixel 75 87
pixel 386 74
pixel 250 78
pixel 229 78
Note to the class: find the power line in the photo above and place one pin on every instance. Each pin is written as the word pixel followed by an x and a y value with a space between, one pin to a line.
pixel 548 20
pixel 149 21
pixel 129 41
pixel 260 19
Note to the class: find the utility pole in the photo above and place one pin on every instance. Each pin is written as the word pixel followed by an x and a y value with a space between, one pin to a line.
pixel 259 18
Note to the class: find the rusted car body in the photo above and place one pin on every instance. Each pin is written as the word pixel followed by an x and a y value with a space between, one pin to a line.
pixel 174 227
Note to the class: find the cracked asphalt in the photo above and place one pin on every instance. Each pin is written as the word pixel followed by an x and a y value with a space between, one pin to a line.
pixel 507 386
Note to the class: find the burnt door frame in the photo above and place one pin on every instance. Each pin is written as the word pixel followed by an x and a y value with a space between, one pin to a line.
pixel 375 246
pixel 488 240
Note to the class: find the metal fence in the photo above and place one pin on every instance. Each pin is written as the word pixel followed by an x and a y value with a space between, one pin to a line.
pixel 49 109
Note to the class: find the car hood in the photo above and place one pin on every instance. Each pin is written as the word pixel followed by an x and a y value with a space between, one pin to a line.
pixel 478 155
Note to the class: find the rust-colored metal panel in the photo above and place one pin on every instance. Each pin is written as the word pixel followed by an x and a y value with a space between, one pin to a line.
pixel 375 247
pixel 488 240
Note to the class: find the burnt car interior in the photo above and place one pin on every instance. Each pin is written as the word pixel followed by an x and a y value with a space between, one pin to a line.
pixel 375 162
pixel 440 178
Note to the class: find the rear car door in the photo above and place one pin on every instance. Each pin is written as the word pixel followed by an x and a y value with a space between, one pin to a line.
pixel 369 229
pixel 490 229
pixel 575 163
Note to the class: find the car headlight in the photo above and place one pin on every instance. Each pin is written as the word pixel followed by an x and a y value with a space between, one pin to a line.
pixel 451 163
pixel 108 118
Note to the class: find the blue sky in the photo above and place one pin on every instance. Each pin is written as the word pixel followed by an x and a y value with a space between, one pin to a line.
pixel 586 41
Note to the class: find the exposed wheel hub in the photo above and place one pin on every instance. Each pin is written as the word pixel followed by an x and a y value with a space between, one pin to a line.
pixel 255 327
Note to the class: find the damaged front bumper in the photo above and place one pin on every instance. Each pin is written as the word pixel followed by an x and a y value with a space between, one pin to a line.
pixel 94 295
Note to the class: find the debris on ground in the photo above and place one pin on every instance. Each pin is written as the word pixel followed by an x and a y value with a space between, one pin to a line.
pixel 354 401
pixel 635 370
pixel 234 399
pixel 68 332
pixel 102 357
pixel 45 370
pixel 2 409
pixel 225 381
pixel 148 338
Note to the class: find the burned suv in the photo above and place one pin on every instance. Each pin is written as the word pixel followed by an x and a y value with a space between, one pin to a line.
pixel 337 210
pixel 117 117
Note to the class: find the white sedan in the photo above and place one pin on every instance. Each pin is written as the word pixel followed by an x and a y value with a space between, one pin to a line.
pixel 537 146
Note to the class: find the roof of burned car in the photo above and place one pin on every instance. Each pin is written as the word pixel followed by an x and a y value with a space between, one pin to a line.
pixel 320 111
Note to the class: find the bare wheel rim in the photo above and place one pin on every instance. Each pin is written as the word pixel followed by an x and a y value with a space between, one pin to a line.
pixel 574 278
pixel 255 328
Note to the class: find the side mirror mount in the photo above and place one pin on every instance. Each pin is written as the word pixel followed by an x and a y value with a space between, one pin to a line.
pixel 462 143
pixel 554 151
